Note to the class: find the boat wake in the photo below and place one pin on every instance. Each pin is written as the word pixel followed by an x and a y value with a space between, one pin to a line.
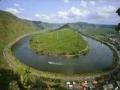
pixel 56 63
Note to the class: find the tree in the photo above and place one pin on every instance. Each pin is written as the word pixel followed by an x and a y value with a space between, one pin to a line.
pixel 26 77
pixel 118 11
pixel 118 26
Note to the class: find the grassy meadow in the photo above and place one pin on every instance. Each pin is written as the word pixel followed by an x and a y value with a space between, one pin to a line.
pixel 64 41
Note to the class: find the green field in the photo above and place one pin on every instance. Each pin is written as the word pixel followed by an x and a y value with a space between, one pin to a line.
pixel 63 41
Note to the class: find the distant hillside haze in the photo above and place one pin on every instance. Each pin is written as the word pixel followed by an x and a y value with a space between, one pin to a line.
pixel 80 26
pixel 45 25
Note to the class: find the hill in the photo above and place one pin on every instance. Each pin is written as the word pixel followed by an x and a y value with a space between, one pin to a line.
pixel 93 29
pixel 85 28
pixel 63 41
pixel 11 27
pixel 45 25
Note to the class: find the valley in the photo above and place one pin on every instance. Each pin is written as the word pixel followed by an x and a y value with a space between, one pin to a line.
pixel 14 32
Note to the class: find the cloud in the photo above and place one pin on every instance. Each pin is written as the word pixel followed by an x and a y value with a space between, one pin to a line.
pixel 21 9
pixel 92 2
pixel 42 16
pixel 37 15
pixel 16 5
pixel 83 3
pixel 62 14
pixel 106 11
pixel 72 14
pixel 66 1
pixel 75 14
pixel 86 3
pixel 75 11
pixel 78 11
pixel 13 10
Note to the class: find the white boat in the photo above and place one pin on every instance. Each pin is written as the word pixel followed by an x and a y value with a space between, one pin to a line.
pixel 56 63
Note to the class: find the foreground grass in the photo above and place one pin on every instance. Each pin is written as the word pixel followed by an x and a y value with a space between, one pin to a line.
pixel 64 41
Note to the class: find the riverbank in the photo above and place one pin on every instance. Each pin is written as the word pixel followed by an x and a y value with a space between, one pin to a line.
pixel 113 48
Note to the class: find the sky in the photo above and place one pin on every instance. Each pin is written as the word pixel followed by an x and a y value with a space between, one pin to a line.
pixel 64 11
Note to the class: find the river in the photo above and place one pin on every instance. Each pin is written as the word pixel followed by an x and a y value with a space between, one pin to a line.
pixel 99 57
